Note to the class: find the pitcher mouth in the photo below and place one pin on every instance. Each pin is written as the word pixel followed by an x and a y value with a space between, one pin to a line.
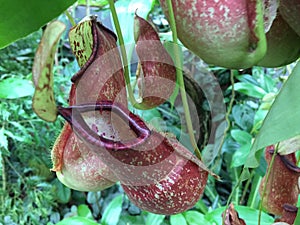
pixel 72 115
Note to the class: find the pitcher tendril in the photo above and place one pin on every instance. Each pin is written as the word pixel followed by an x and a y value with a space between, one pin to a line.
pixel 181 82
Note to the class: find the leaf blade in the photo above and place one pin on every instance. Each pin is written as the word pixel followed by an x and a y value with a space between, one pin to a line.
pixel 250 90
pixel 31 14
pixel 77 220
pixel 112 212
pixel 177 219
pixel 154 219
pixel 282 121
pixel 13 88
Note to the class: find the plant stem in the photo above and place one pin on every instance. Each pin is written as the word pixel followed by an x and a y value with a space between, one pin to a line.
pixel 71 19
pixel 298 159
pixel 123 53
pixel 224 136
pixel 29 121
pixel 88 8
pixel 202 207
pixel 247 185
pixel 178 72
pixel 237 190
pixel 98 197
pixel 212 194
pixel 270 167
pixel 3 179
pixel 229 109
pixel 230 196
pixel 181 81
pixel 228 112
pixel 256 192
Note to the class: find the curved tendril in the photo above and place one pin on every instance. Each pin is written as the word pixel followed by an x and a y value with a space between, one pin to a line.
pixel 290 208
pixel 73 116
pixel 290 165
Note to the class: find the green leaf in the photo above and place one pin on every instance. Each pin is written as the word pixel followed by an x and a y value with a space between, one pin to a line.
pixel 282 121
pixel 43 102
pixel 195 218
pixel 77 221
pixel 93 197
pixel 126 219
pixel 201 206
pixel 84 211
pixel 22 131
pixel 260 115
pixel 3 143
pixel 16 137
pixel 3 139
pixel 240 136
pixel 249 90
pixel 297 220
pixel 243 138
pixel 267 81
pixel 18 18
pixel 243 116
pixel 99 3
pixel 240 156
pixel 154 219
pixel 251 216
pixel 13 88
pixel 112 212
pixel 254 198
pixel 246 78
pixel 63 192
pixel 245 213
pixel 177 219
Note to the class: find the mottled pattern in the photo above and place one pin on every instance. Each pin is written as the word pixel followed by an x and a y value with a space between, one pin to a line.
pixel 178 191
pixel 43 102
pixel 147 163
pixel 103 79
pixel 81 41
pixel 228 33
pixel 77 166
pixel 282 186
pixel 159 175
pixel 158 75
